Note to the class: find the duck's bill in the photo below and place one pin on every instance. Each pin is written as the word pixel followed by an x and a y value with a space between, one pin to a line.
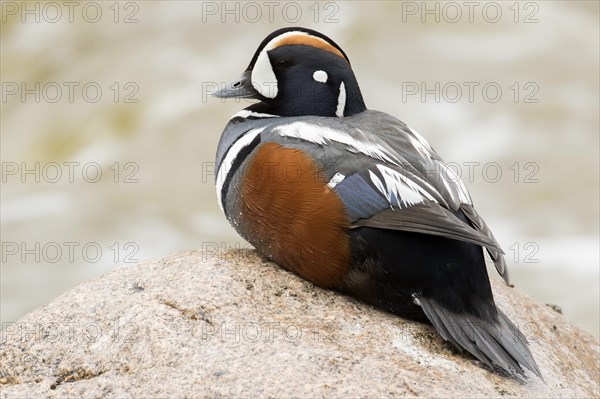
pixel 238 88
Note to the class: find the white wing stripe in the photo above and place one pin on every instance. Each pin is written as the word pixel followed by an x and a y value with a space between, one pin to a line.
pixel 380 186
pixel 246 113
pixel 454 185
pixel 423 150
pixel 421 140
pixel 322 135
pixel 335 180
pixel 397 188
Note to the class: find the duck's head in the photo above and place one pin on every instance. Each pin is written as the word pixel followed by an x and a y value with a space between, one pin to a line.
pixel 296 72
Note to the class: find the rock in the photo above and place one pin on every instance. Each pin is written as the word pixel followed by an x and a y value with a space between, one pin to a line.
pixel 198 325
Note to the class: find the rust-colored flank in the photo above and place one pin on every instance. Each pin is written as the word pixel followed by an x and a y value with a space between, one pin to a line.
pixel 293 216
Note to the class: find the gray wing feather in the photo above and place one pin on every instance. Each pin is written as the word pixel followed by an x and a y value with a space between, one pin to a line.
pixel 428 218
pixel 412 156
pixel 496 254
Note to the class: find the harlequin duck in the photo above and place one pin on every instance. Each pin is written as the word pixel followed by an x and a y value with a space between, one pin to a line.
pixel 354 200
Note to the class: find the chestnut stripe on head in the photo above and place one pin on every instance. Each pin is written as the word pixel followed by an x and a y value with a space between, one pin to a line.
pixel 307 40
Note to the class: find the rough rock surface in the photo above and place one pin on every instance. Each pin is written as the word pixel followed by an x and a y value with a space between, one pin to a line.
pixel 233 325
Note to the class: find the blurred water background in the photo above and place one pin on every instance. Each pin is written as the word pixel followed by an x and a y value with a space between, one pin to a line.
pixel 108 135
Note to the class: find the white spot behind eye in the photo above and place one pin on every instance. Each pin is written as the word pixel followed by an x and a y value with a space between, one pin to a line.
pixel 320 76
pixel 341 101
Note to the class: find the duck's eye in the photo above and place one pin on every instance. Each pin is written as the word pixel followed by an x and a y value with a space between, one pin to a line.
pixel 282 64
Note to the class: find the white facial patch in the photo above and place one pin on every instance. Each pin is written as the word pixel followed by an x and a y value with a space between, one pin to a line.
pixel 320 76
pixel 263 78
pixel 341 101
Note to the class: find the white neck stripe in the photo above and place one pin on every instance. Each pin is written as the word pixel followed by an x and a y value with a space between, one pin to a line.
pixel 230 156
pixel 341 105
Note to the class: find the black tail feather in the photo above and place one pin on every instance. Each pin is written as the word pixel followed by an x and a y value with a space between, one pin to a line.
pixel 498 344
pixel 516 344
